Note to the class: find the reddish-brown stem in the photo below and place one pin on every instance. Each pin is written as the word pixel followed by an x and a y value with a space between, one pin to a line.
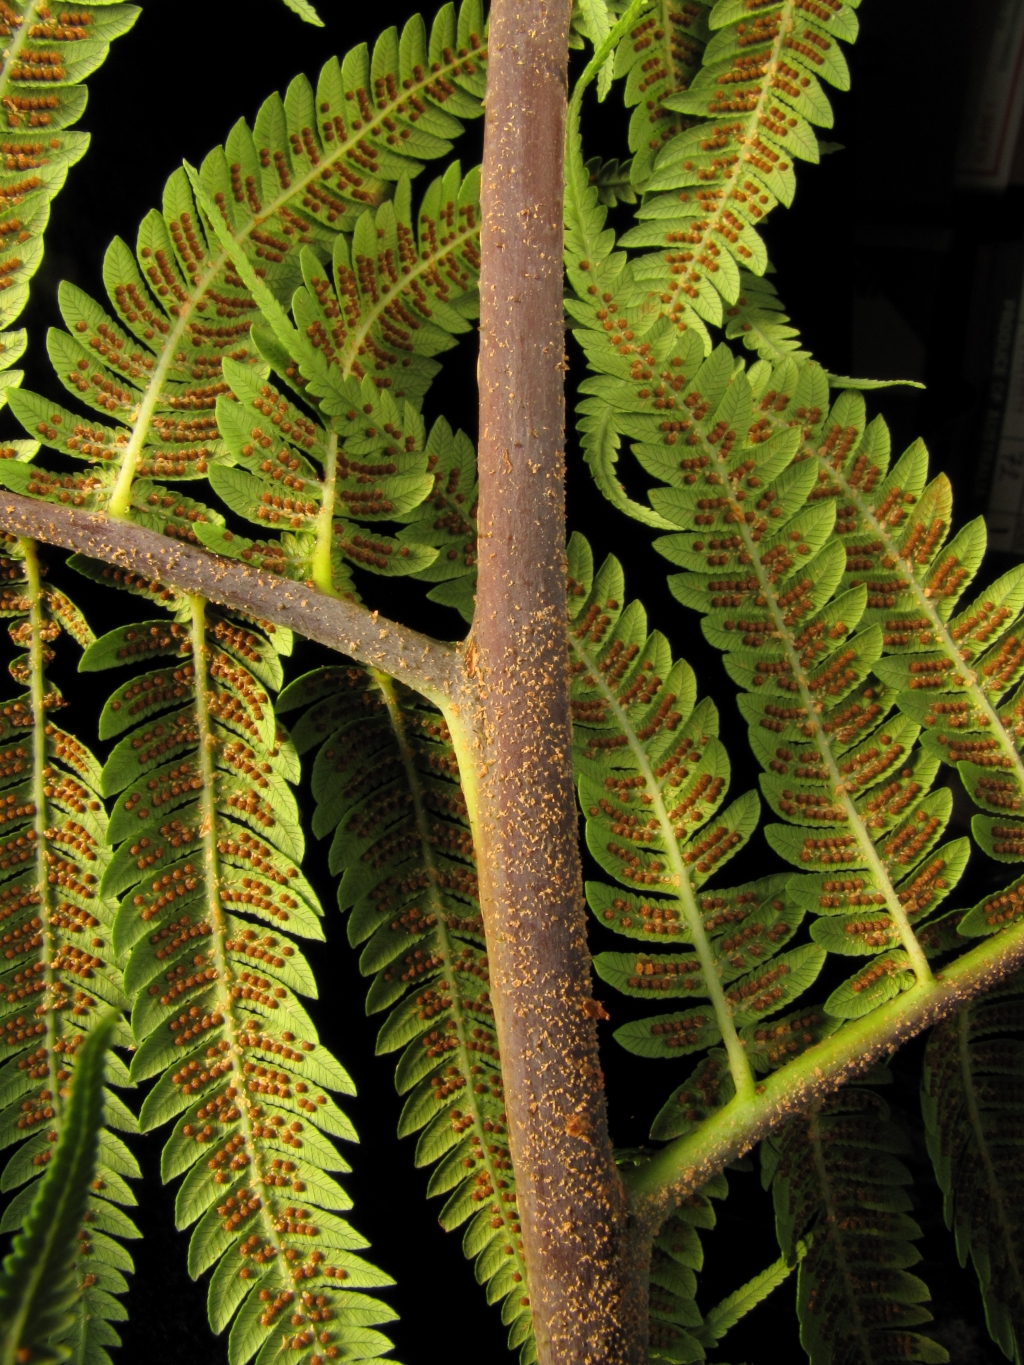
pixel 587 1288
pixel 432 668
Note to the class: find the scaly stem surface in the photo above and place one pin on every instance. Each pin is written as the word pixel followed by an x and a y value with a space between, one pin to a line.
pixel 690 1161
pixel 589 1289
pixel 430 667
pixel 448 949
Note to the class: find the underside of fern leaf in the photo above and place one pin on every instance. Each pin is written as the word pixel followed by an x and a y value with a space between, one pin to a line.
pixel 837 1175
pixel 46 58
pixel 40 1293
pixel 315 198
pixel 206 872
pixel 970 1097
pixel 62 970
pixel 387 786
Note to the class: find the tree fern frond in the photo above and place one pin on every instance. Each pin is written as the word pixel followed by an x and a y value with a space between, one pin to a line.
pixel 725 1315
pixel 604 303
pixel 677 1329
pixel 39 1282
pixel 957 675
pixel 306 172
pixel 837 1176
pixel 373 470
pixel 741 453
pixel 612 179
pixel 45 60
pixel 210 894
pixel 659 57
pixel 970 1098
pixel 758 319
pixel 62 971
pixel 652 775
pixel 759 96
pixel 387 786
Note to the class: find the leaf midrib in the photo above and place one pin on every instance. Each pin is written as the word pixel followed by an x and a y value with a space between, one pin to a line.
pixel 739 1064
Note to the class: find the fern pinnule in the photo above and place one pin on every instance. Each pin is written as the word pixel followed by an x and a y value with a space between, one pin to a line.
pixel 957 675
pixel 837 1179
pixel 970 1099
pixel 740 454
pixel 42 53
pixel 359 363
pixel 46 1315
pixel 759 97
pixel 305 172
pixel 386 781
pixel 210 894
pixel 62 971
pixel 679 1332
pixel 652 775
pixel 676 1322
pixel 957 672
pixel 659 57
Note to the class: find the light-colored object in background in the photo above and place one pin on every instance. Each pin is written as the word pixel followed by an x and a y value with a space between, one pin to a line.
pixel 995 97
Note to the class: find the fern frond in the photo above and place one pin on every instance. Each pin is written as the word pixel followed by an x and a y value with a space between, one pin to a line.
pixel 387 786
pixel 759 95
pixel 725 1315
pixel 61 969
pixel 39 1281
pixel 758 319
pixel 970 1099
pixel 742 454
pixel 309 169
pixel 837 1176
pixel 652 776
pixel 957 673
pixel 677 1330
pixel 45 60
pixel 210 894
pixel 373 470
pixel 659 57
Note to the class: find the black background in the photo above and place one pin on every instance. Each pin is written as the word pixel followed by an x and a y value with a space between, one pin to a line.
pixel 875 262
